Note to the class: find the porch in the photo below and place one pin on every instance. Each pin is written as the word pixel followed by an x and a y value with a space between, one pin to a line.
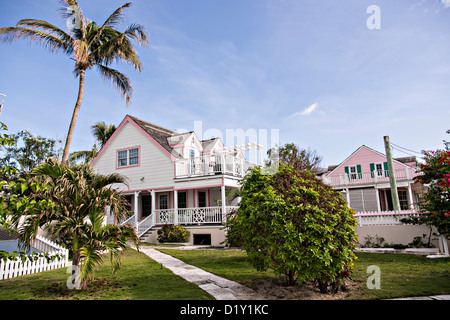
pixel 207 165
pixel 376 176
pixel 189 207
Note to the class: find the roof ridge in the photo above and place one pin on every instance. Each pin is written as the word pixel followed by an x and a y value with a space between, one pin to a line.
pixel 153 126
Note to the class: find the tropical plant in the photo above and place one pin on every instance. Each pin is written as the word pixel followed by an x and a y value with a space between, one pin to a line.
pixel 76 218
pixel 102 133
pixel 292 223
pixel 89 45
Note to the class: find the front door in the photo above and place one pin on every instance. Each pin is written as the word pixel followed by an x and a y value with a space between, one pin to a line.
pixel 202 199
pixel 163 201
pixel 146 205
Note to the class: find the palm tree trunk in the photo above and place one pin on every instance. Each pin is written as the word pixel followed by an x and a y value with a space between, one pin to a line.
pixel 74 118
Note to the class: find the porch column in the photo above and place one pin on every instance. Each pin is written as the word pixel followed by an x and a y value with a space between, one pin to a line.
pixel 347 195
pixel 153 207
pixel 136 208
pixel 410 196
pixel 175 207
pixel 378 198
pixel 224 202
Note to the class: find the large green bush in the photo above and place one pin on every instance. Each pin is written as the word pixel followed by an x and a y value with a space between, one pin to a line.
pixel 173 233
pixel 294 224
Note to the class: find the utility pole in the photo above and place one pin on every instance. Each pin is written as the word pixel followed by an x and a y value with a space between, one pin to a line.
pixel 394 193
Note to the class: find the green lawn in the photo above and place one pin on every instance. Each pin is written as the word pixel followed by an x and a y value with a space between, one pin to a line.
pixel 142 278
pixel 138 278
pixel 401 275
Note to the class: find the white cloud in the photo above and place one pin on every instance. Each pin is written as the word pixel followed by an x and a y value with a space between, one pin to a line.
pixel 307 111
pixel 446 3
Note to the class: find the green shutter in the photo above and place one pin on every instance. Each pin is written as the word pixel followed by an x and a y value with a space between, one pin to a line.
pixel 386 169
pixel 372 170
pixel 347 171
pixel 358 169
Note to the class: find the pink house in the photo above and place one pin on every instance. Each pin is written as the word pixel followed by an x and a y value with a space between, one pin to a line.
pixel 173 178
pixel 363 179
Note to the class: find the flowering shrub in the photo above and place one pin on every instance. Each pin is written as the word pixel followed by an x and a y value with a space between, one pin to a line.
pixel 436 175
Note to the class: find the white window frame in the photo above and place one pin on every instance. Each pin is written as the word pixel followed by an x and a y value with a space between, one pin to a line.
pixel 377 172
pixel 353 175
pixel 128 158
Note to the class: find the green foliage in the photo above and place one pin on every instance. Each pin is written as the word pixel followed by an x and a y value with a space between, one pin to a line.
pixel 299 159
pixel 294 224
pixel 173 233
pixel 436 201
pixel 68 201
pixel 23 256
pixel 28 150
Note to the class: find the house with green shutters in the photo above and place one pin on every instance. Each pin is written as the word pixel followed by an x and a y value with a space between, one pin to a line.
pixel 363 179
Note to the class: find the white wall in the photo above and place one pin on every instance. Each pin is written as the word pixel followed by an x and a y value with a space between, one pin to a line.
pixel 155 166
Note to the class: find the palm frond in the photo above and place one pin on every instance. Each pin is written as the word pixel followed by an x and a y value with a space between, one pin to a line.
pixel 70 8
pixel 102 181
pixel 48 41
pixel 138 33
pixel 121 81
pixel 51 168
pixel 90 258
pixel 114 19
pixel 120 47
pixel 86 155
pixel 102 132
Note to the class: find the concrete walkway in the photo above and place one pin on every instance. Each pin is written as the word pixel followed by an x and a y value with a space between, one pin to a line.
pixel 219 288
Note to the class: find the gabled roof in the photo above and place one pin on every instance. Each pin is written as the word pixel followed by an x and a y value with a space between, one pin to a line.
pixel 398 160
pixel 210 143
pixel 157 134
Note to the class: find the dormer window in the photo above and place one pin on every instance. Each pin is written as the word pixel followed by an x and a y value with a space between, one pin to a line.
pixel 128 157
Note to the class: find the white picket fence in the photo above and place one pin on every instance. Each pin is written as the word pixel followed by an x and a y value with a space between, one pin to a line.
pixel 384 217
pixel 17 268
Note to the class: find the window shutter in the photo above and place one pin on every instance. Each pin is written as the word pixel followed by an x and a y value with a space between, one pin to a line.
pixel 386 169
pixel 347 171
pixel 372 170
pixel 358 169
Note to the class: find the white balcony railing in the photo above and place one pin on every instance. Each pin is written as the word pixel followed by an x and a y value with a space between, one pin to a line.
pixel 369 177
pixel 182 216
pixel 185 216
pixel 211 165
pixel 385 217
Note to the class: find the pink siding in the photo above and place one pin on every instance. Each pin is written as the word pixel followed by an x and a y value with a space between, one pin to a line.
pixel 364 156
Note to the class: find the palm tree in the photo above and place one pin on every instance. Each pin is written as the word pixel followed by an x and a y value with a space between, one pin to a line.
pixel 89 45
pixel 102 133
pixel 76 217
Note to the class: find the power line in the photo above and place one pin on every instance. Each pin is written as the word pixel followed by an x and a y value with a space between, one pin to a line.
pixel 405 148
pixel 393 148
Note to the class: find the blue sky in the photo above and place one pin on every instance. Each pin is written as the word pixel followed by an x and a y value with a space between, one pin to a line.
pixel 311 69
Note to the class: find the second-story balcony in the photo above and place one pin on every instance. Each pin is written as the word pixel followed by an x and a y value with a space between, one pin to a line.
pixel 206 165
pixel 381 176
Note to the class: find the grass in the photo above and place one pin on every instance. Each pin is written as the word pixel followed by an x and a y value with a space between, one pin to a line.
pixel 139 278
pixel 402 275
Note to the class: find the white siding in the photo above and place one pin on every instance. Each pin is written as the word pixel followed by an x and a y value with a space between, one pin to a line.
pixel 155 166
